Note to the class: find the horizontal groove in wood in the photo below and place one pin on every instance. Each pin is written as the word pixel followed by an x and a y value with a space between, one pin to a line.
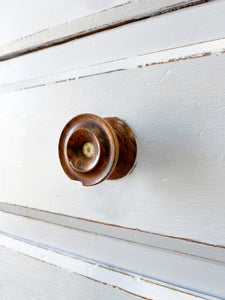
pixel 106 19
pixel 134 284
pixel 92 253
pixel 172 243
pixel 115 45
pixel 198 50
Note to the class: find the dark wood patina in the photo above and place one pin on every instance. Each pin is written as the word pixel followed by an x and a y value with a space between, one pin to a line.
pixel 92 149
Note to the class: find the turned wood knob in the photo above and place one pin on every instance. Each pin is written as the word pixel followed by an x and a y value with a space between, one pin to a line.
pixel 92 149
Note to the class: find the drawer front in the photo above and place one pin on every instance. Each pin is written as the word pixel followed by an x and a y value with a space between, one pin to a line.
pixel 177 116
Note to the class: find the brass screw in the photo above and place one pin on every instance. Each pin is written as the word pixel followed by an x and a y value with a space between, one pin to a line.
pixel 88 150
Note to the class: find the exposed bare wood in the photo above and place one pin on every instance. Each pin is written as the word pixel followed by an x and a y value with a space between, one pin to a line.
pixel 125 47
pixel 106 19
pixel 208 48
pixel 172 243
pixel 34 279
pixel 160 227
pixel 111 269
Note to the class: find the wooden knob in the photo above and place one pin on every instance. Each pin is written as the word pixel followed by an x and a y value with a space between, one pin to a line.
pixel 92 149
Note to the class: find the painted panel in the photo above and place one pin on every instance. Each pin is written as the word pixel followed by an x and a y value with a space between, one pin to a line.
pixel 177 113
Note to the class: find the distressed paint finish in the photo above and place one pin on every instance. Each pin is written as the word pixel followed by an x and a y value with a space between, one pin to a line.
pixel 34 279
pixel 214 47
pixel 180 166
pixel 176 244
pixel 163 221
pixel 92 256
pixel 118 49
pixel 38 16
pixel 125 12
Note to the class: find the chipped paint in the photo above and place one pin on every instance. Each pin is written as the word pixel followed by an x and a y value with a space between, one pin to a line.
pixel 18 210
pixel 119 15
pixel 115 278
pixel 173 55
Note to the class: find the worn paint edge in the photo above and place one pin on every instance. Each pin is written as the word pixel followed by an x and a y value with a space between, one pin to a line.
pixel 104 274
pixel 192 51
pixel 179 245
pixel 107 19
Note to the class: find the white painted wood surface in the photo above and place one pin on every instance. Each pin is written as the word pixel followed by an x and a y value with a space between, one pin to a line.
pixel 122 12
pixel 166 219
pixel 23 278
pixel 92 256
pixel 125 42
pixel 215 47
pixel 177 113
pixel 34 279
pixel 22 18
pixel 179 245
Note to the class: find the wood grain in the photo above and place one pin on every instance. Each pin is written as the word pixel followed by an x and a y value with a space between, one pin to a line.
pixel 113 143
